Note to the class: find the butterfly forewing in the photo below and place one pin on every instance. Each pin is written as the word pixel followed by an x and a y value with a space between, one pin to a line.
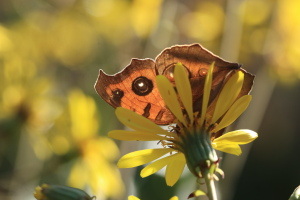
pixel 135 88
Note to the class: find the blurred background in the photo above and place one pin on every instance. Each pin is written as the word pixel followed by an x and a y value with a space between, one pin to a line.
pixel 53 126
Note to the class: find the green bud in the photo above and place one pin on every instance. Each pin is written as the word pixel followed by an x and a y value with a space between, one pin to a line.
pixel 60 192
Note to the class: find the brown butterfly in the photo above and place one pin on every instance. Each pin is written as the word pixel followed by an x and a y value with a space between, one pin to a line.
pixel 135 87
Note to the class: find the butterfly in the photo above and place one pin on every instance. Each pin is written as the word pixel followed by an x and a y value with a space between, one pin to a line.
pixel 135 87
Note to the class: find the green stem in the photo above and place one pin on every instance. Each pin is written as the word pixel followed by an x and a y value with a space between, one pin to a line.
pixel 210 184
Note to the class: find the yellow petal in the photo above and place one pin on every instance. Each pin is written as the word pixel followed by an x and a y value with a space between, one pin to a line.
pixel 184 90
pixel 137 122
pixel 134 135
pixel 141 157
pixel 197 193
pixel 242 136
pixel 155 166
pixel 206 94
pixel 175 168
pixel 170 97
pixel 174 198
pixel 131 197
pixel 234 112
pixel 228 148
pixel 228 95
pixel 38 193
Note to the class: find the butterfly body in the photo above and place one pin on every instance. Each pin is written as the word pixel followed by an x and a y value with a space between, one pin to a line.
pixel 135 87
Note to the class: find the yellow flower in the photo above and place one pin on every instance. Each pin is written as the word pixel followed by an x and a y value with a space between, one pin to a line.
pixel 94 167
pixel 77 131
pixel 27 105
pixel 193 136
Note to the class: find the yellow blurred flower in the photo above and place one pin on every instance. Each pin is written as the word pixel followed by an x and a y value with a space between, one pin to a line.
pixel 205 23
pixel 144 16
pixel 255 11
pixel 26 99
pixel 193 138
pixel 70 39
pixel 282 46
pixel 6 43
pixel 94 167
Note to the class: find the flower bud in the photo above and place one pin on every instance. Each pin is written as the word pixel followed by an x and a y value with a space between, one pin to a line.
pixel 59 192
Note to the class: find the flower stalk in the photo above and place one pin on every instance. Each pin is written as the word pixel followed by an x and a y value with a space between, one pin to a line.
pixel 210 184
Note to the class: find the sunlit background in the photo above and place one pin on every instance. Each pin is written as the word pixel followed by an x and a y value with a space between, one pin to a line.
pixel 53 126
